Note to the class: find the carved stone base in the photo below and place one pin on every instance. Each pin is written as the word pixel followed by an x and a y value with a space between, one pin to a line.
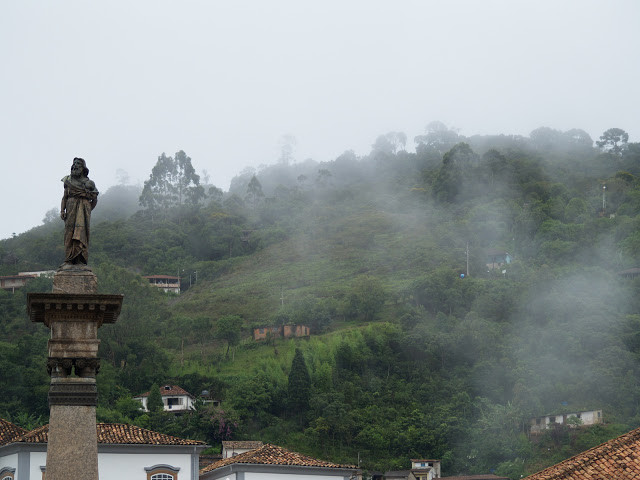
pixel 73 391
pixel 78 279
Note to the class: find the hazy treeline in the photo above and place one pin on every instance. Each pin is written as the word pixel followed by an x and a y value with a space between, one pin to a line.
pixel 418 348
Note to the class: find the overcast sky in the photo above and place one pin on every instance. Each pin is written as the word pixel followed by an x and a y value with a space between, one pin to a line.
pixel 120 82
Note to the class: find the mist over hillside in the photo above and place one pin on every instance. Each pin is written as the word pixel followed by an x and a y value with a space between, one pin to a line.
pixel 452 294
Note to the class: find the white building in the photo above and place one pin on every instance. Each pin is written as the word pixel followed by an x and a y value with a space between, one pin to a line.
pixel 587 417
pixel 174 398
pixel 421 469
pixel 125 452
pixel 166 283
pixel 231 448
pixel 271 462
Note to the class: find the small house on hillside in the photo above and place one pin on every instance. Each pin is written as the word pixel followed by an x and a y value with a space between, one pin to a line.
pixel 166 283
pixel 174 398
pixel 421 469
pixel 11 282
pixel 273 462
pixel 232 448
pixel 282 331
pixel 497 258
pixel 630 273
pixel 587 417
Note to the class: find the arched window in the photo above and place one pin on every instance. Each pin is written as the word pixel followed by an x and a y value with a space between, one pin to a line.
pixel 7 473
pixel 162 476
pixel 161 472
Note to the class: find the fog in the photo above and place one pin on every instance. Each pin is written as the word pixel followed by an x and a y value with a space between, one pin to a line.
pixel 119 83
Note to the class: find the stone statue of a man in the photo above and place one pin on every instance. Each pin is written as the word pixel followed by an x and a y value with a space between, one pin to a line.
pixel 79 199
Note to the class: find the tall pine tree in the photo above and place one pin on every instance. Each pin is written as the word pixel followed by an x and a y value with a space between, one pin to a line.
pixel 299 388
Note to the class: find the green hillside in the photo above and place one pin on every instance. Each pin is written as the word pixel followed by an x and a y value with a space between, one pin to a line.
pixel 419 347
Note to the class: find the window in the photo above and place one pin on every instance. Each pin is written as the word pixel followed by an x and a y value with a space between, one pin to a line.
pixel 162 472
pixel 7 473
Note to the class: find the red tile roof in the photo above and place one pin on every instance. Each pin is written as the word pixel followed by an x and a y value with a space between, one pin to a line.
pixel 172 390
pixel 9 432
pixel 616 459
pixel 273 455
pixel 487 476
pixel 116 434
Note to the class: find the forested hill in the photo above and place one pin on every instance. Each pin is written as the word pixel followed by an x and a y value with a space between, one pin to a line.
pixel 419 347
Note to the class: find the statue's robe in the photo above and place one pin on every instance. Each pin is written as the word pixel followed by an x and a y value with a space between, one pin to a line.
pixel 80 199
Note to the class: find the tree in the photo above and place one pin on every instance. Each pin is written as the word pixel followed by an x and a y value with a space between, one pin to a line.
pixel 254 191
pixel 228 328
pixel 154 400
pixel 579 137
pixel 390 143
pixel 324 177
pixel 366 298
pixel 438 137
pixel 173 182
pixel 299 386
pixel 287 146
pixel 613 141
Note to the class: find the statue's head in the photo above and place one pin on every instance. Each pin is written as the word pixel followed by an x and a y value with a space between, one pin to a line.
pixel 79 167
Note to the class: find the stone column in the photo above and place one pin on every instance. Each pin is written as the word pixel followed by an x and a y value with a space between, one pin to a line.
pixel 73 313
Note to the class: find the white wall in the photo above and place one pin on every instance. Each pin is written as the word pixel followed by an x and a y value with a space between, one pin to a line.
pixel 10 461
pixel 229 477
pixel 128 466
pixel 36 460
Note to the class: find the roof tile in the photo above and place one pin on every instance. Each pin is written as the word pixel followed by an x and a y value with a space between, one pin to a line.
pixel 618 458
pixel 116 434
pixel 273 455
pixel 9 432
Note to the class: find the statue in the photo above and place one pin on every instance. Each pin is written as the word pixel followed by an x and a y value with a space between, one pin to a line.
pixel 79 199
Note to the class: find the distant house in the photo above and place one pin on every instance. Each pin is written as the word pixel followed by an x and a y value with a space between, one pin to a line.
pixel 124 452
pixel 617 459
pixel 272 462
pixel 630 273
pixel 166 283
pixel 174 398
pixel 587 417
pixel 232 448
pixel 207 397
pixel 39 273
pixel 11 282
pixel 497 258
pixel 282 331
pixel 421 469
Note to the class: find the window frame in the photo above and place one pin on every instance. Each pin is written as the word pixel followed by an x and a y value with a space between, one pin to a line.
pixel 7 473
pixel 162 469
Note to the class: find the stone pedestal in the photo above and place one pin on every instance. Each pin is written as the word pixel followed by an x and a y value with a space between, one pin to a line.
pixel 73 313
pixel 78 280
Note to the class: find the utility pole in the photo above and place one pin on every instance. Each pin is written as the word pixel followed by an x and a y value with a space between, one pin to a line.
pixel 467 259
pixel 604 198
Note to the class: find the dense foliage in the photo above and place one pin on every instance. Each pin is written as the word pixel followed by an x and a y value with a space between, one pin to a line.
pixel 421 345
